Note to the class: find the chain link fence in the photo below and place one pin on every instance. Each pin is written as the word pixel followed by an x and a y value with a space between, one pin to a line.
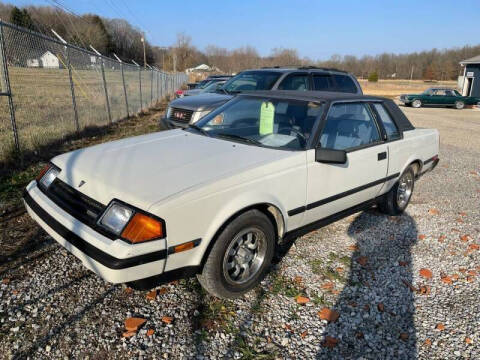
pixel 51 89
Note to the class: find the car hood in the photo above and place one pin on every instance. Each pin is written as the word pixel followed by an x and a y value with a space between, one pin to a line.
pixel 201 102
pixel 192 92
pixel 146 169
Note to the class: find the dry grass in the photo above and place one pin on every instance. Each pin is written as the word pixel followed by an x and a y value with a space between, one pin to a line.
pixel 43 103
pixel 394 88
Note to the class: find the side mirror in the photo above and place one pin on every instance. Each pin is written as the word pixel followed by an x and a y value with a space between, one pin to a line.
pixel 330 156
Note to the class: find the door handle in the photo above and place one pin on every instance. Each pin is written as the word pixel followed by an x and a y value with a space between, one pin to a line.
pixel 382 156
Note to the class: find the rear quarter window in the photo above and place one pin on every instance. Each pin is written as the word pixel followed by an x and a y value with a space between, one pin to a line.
pixel 345 84
pixel 388 124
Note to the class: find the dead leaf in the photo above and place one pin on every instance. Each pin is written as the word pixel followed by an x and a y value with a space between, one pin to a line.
pixel 474 247
pixel 446 279
pixel 465 237
pixel 150 332
pixel 359 335
pixel 440 327
pixel 167 319
pixel 298 279
pixel 330 342
pixel 460 220
pixel 152 295
pixel 327 286
pixel 410 286
pixel 462 213
pixel 462 270
pixel 15 292
pixel 428 342
pixel 6 281
pixel 339 269
pixel 426 273
pixel 468 340
pixel 302 299
pixel 403 336
pixel 433 211
pixel 303 334
pixel 402 263
pixel 362 260
pixel 472 272
pixel 128 290
pixel 455 230
pixel 128 334
pixel 134 323
pixel 442 238
pixel 163 290
pixel 329 315
pixel 381 307
pixel 454 277
pixel 421 237
pixel 353 247
pixel 424 290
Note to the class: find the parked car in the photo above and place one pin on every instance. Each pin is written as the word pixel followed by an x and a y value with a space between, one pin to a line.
pixel 218 198
pixel 182 112
pixel 210 87
pixel 439 97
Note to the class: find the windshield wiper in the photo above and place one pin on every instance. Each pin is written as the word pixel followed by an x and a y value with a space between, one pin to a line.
pixel 199 129
pixel 241 138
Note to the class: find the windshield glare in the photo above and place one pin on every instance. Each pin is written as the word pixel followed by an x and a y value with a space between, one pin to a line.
pixel 276 123
pixel 252 80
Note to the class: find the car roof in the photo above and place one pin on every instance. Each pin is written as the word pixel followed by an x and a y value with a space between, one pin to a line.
pixel 440 88
pixel 287 69
pixel 310 95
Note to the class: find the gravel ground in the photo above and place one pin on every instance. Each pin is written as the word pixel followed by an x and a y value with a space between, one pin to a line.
pixel 369 286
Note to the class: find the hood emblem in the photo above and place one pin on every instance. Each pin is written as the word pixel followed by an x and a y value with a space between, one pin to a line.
pixel 81 183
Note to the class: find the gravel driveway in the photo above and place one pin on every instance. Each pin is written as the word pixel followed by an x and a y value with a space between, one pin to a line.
pixel 369 286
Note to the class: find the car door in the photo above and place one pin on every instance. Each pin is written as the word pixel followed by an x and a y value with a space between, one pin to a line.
pixel 450 97
pixel 331 188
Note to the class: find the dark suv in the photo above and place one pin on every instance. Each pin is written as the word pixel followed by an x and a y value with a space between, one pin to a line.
pixel 188 110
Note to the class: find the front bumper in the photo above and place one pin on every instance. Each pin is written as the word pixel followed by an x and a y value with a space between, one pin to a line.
pixel 114 260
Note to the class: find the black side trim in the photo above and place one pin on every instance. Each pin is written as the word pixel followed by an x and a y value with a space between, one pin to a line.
pixel 171 249
pixel 328 220
pixel 341 195
pixel 90 250
pixel 430 160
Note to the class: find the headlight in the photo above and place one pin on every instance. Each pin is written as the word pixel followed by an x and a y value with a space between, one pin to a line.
pixel 169 112
pixel 200 114
pixel 48 175
pixel 131 224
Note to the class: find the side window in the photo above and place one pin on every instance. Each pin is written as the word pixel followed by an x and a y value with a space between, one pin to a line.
pixel 295 82
pixel 388 124
pixel 345 84
pixel 323 83
pixel 349 125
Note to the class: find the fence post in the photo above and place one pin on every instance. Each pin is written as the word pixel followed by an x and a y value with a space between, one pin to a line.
pixel 124 89
pixel 105 88
pixel 8 90
pixel 140 82
pixel 151 87
pixel 72 89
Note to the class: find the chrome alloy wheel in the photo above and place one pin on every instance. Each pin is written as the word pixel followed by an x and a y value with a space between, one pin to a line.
pixel 244 256
pixel 405 188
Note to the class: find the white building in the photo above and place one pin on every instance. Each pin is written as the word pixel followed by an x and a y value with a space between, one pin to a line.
pixel 46 60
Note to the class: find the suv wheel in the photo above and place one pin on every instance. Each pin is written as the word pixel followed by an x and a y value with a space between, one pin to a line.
pixel 240 256
pixel 417 103
pixel 396 200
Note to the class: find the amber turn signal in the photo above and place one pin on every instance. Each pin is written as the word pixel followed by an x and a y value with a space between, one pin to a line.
pixel 43 171
pixel 143 228
pixel 183 247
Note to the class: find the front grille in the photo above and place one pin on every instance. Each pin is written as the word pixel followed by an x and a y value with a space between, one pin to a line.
pixel 181 115
pixel 74 202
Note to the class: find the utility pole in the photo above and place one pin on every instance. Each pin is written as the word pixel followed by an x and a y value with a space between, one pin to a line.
pixel 144 53
pixel 411 74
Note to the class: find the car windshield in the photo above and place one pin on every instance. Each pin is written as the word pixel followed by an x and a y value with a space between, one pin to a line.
pixel 252 80
pixel 202 84
pixel 275 123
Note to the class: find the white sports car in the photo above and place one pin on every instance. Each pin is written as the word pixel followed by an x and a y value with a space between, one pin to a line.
pixel 218 198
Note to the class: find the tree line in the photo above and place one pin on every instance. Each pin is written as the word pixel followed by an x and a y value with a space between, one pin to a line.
pixel 118 36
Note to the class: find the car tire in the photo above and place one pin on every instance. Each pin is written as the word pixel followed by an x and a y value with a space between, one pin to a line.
pixel 240 256
pixel 459 105
pixel 417 103
pixel 396 200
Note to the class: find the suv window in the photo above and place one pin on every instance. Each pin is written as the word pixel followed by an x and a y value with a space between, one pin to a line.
pixel 295 82
pixel 349 125
pixel 323 82
pixel 345 84
pixel 390 127
pixel 252 80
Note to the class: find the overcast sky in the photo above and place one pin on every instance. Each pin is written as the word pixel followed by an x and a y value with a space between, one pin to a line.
pixel 317 29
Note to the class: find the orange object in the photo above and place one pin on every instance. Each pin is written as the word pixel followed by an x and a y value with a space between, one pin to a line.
pixel 143 228
pixel 43 171
pixel 185 246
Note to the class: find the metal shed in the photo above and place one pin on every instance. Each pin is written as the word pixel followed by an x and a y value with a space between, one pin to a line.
pixel 470 81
